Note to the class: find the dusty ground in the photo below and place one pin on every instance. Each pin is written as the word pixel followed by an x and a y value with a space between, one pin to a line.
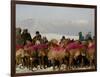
pixel 26 70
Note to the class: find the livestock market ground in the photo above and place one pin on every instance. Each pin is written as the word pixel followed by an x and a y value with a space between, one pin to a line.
pixel 26 70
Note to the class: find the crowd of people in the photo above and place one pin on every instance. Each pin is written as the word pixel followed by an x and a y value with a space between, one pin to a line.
pixel 32 52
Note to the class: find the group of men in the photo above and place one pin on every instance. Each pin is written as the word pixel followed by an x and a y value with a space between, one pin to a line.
pixel 23 37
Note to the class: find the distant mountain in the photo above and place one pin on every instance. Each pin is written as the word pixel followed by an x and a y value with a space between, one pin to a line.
pixel 51 32
pixel 58 36
pixel 30 24
pixel 44 26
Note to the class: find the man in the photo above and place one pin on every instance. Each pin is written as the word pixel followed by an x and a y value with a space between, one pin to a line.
pixel 63 38
pixel 26 36
pixel 19 39
pixel 37 38
pixel 88 36
pixel 44 40
pixel 81 37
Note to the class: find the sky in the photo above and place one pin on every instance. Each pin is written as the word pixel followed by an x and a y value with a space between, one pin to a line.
pixel 55 20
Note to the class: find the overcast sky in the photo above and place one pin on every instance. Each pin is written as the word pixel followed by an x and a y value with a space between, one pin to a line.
pixel 49 19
